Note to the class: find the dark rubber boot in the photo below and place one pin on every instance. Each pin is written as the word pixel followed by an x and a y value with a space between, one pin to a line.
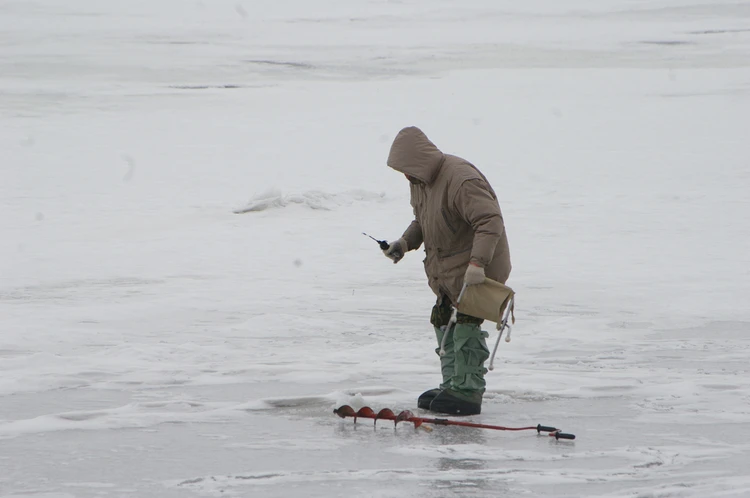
pixel 452 402
pixel 426 398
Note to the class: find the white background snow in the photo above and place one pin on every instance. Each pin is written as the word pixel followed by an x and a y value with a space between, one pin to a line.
pixel 153 343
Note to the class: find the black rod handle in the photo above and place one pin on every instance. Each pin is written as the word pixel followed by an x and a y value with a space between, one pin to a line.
pixel 544 428
pixel 564 435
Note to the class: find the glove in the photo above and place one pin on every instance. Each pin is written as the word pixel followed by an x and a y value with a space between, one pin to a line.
pixel 396 250
pixel 474 275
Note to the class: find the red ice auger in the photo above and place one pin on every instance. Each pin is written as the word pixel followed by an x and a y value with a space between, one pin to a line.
pixel 407 416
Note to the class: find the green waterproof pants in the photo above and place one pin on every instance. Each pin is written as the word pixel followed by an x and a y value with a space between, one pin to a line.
pixel 471 351
pixel 466 350
pixel 447 362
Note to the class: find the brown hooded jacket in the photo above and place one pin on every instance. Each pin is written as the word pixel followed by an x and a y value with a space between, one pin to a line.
pixel 456 214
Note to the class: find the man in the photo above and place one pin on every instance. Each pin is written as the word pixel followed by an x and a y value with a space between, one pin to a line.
pixel 458 218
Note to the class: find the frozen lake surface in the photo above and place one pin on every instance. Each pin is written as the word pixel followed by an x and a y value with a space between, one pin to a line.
pixel 153 343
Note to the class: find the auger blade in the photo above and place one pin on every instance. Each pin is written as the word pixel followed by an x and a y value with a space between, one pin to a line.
pixel 404 415
pixel 366 412
pixel 344 411
pixel 385 414
pixel 407 416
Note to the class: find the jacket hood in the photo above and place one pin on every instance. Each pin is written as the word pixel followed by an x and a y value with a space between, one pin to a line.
pixel 413 154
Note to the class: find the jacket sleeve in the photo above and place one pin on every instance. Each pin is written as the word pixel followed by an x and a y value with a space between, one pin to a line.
pixel 477 205
pixel 413 235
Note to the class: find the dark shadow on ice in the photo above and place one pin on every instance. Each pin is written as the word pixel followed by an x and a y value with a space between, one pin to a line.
pixel 207 87
pixel 720 31
pixel 669 43
pixel 462 476
pixel 293 65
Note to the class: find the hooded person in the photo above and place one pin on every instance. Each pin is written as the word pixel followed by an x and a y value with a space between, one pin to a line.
pixel 458 219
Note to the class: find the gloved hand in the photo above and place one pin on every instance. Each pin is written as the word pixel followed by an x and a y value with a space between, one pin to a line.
pixel 474 275
pixel 396 250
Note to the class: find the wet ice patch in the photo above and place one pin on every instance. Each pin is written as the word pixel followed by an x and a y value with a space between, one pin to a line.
pixel 477 452
pixel 717 486
pixel 70 290
pixel 374 481
pixel 292 444
pixel 92 485
pixel 633 457
pixel 130 416
pixel 40 495
pixel 374 396
pixel 313 199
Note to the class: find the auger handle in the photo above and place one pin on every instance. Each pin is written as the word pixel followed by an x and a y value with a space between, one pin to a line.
pixel 554 432
pixel 563 435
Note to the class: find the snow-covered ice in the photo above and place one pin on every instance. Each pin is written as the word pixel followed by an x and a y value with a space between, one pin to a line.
pixel 156 343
